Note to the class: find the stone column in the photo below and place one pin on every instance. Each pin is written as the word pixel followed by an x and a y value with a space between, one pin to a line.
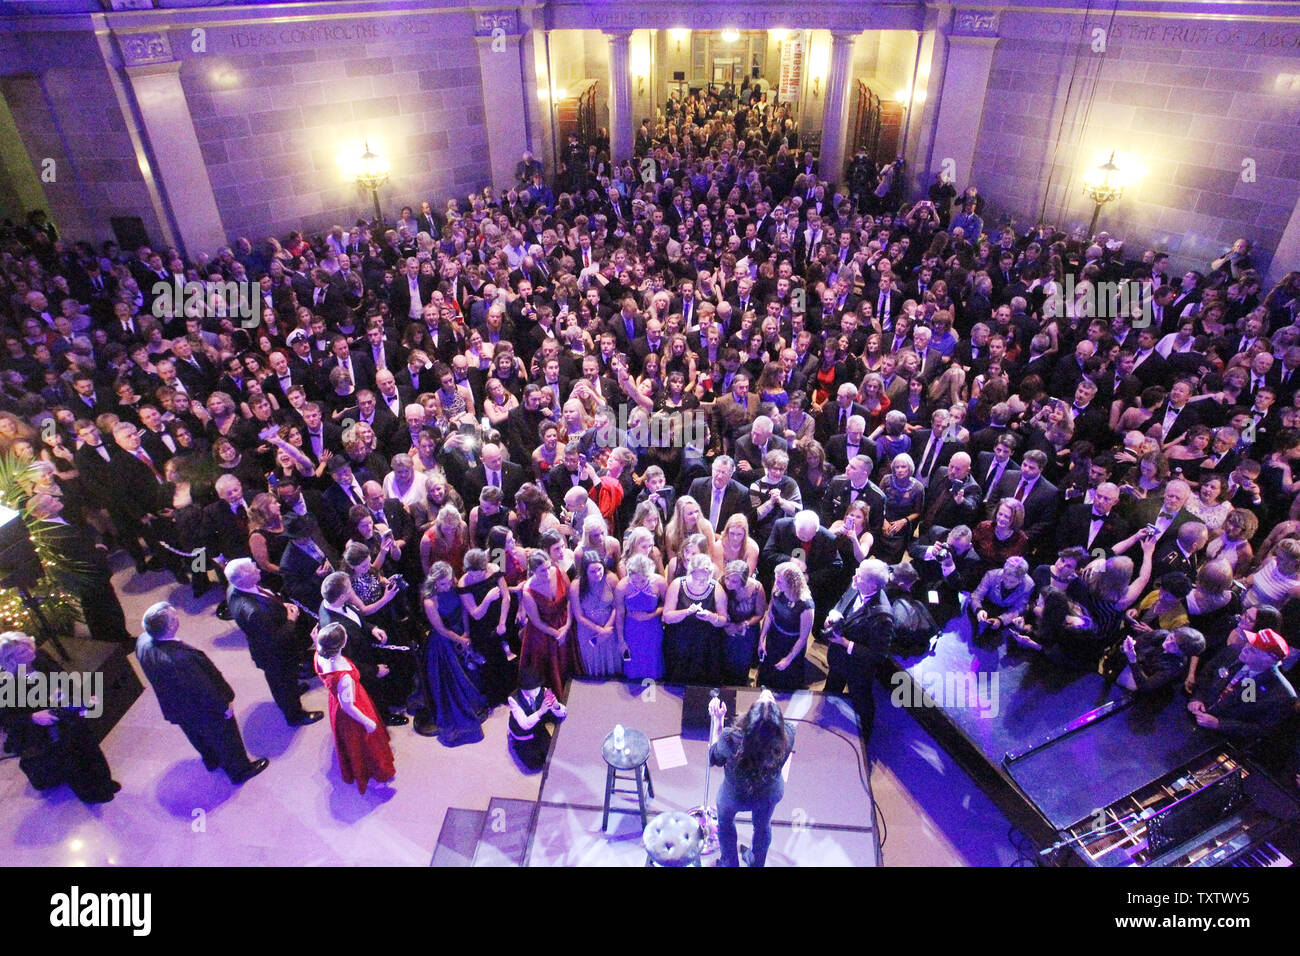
pixel 507 92
pixel 621 128
pixel 1288 248
pixel 835 112
pixel 961 105
pixel 180 167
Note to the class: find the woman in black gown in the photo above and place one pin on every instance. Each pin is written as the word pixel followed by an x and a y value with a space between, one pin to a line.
pixel 486 598
pixel 695 610
pixel 785 631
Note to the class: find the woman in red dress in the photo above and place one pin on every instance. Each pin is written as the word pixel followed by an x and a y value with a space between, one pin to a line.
pixel 548 646
pixel 360 737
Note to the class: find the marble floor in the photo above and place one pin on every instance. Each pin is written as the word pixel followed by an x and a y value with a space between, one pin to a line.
pixel 172 812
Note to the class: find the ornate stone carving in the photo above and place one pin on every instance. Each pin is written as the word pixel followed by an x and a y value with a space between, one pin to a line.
pixel 139 49
pixel 975 23
pixel 486 21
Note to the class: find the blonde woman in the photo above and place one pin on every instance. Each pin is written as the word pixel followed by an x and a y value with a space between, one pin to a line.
pixel 446 540
pixel 695 611
pixel 785 630
pixel 735 544
pixel 640 541
pixel 687 519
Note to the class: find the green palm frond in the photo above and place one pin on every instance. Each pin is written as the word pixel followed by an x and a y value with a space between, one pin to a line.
pixel 19 478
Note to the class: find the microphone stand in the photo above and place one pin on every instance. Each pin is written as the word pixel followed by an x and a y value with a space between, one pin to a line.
pixel 705 815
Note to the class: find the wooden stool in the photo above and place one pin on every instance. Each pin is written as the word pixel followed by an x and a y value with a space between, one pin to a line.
pixel 628 764
pixel 673 839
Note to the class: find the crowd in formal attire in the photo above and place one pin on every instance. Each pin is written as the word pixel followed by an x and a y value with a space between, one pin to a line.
pixel 678 418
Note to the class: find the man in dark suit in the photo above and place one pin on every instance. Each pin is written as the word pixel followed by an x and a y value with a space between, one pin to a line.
pixel 384 682
pixel 1032 490
pixel 193 695
pixel 319 435
pixel 1176 414
pixel 834 416
pixel 719 495
pixel 193 369
pixel 954 496
pixel 269 625
pixel 803 539
pixel 225 522
pixel 358 364
pixel 87 574
pixel 932 449
pixel 1183 553
pixel 1167 513
pixel 751 448
pixel 135 498
pixel 992 466
pixel 1240 692
pixel 494 470
pixel 1093 526
pixel 854 485
pixel 844 447
pixel 861 629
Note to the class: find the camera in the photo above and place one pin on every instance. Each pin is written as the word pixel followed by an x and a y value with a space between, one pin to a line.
pixel 399 580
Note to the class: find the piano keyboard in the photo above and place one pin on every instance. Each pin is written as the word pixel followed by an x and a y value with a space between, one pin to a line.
pixel 1266 854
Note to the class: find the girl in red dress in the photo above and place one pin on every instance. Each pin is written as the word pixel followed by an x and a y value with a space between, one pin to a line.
pixel 548 646
pixel 360 737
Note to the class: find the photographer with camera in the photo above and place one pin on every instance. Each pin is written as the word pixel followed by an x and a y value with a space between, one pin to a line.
pixel 54 744
pixel 859 630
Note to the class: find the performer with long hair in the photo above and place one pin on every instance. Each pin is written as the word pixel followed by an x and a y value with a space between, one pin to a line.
pixel 753 750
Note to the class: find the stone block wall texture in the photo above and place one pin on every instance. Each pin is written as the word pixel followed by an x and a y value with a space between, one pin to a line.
pixel 64 107
pixel 277 108
pixel 1188 102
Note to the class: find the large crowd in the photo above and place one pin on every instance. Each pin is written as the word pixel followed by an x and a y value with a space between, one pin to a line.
pixel 674 418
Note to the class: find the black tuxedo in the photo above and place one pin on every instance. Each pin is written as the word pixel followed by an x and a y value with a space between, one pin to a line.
pixel 868 624
pixel 361 651
pixel 197 375
pixel 1147 512
pixel 837 450
pixel 273 643
pixel 984 462
pixel 155 445
pixel 224 531
pixel 840 494
pixel 399 296
pixel 745 450
pixel 1076 524
pixel 1185 419
pixel 331 438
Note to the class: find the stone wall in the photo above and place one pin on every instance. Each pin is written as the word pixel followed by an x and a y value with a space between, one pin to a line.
pixel 1196 108
pixel 281 110
pixel 64 106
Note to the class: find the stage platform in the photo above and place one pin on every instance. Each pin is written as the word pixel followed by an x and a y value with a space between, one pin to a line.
pixel 1010 736
pixel 825 819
